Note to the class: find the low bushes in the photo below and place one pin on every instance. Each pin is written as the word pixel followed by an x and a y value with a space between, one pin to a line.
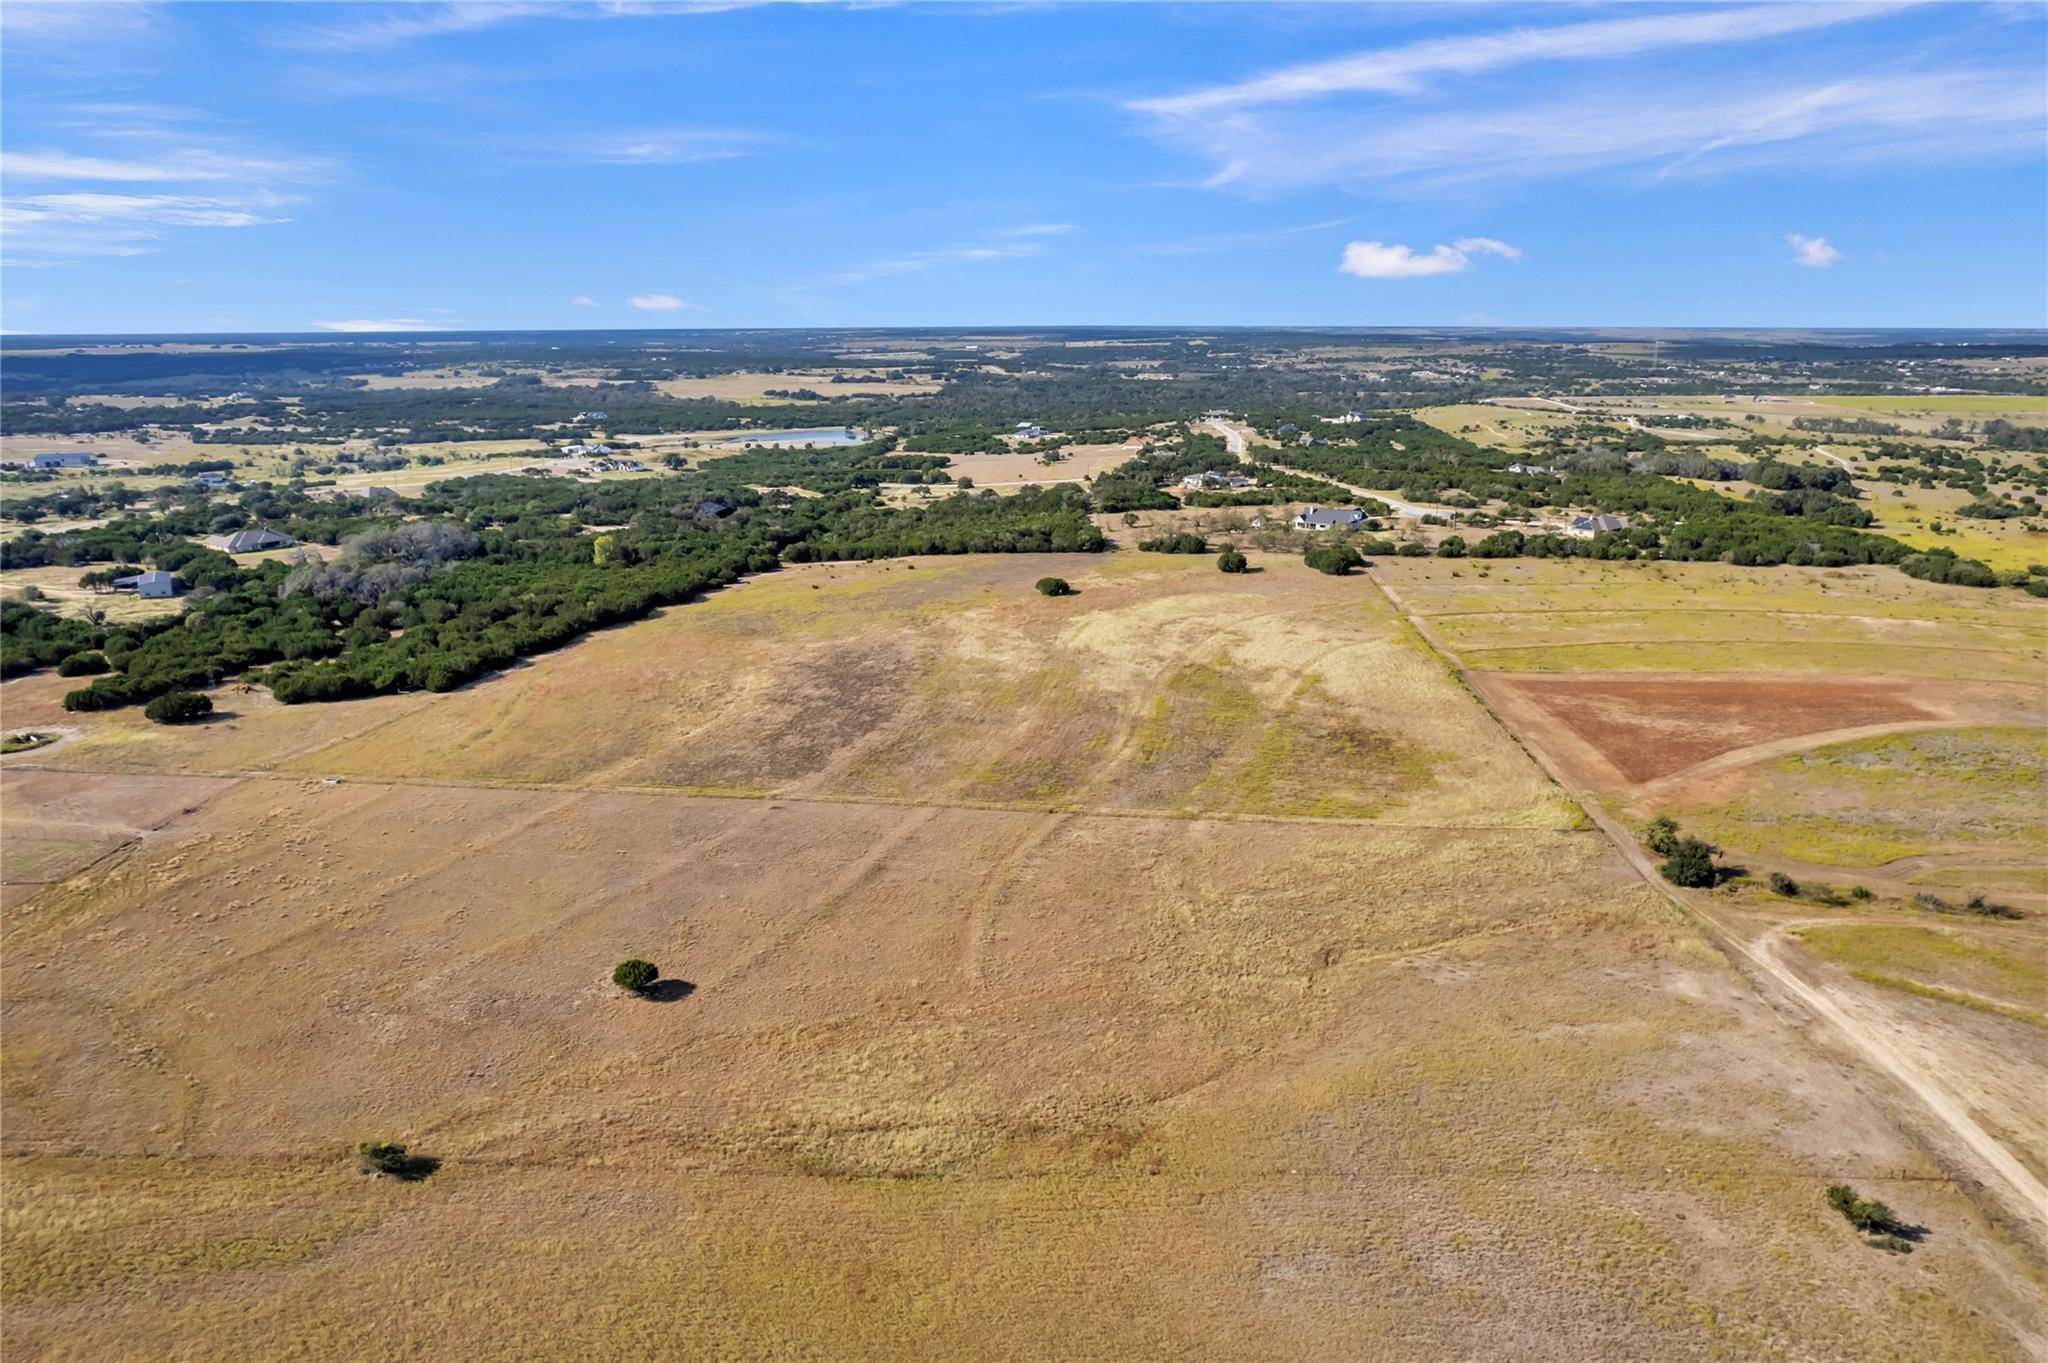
pixel 178 707
pixel 1334 559
pixel 1054 586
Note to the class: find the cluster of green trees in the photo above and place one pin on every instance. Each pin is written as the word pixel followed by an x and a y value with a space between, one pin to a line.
pixel 1179 542
pixel 31 638
pixel 500 567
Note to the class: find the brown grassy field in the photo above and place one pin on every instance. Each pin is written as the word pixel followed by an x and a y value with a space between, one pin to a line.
pixel 1190 968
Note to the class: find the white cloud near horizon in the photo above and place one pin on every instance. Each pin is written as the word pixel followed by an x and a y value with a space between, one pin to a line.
pixel 1813 252
pixel 658 302
pixel 583 300
pixel 380 324
pixel 1388 260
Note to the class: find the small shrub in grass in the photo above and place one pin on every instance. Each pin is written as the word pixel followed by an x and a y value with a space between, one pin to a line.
pixel 1231 561
pixel 1858 892
pixel 1660 835
pixel 83 665
pixel 1784 885
pixel 635 975
pixel 1054 586
pixel 1893 1244
pixel 386 1159
pixel 1864 1213
pixel 1413 549
pixel 178 707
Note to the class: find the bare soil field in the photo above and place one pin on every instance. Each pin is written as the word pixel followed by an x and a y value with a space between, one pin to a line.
pixel 1185 969
pixel 1651 728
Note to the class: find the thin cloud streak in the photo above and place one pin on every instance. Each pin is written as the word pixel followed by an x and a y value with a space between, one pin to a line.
pixel 1901 118
pixel 1400 70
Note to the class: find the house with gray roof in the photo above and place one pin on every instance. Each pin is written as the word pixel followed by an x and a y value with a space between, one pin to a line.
pixel 1587 526
pixel 1329 518
pixel 250 541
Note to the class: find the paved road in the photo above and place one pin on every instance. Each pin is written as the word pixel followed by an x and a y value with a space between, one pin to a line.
pixel 2010 1181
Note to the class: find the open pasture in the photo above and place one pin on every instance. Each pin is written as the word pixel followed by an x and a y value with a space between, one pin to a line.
pixel 1012 469
pixel 1184 969
pixel 1163 686
pixel 1570 616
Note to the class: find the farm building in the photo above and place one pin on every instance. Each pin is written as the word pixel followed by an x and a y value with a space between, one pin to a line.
pixel 62 459
pixel 211 479
pixel 1544 469
pixel 590 416
pixel 250 541
pixel 150 585
pixel 1328 518
pixel 1587 526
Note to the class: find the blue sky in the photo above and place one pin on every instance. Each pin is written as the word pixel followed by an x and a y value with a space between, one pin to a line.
pixel 220 167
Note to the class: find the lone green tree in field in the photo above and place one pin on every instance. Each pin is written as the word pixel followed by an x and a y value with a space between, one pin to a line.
pixel 635 976
pixel 1231 561
pixel 1691 865
pixel 1054 586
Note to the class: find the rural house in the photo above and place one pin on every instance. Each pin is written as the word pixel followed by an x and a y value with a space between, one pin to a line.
pixel 63 459
pixel 151 585
pixel 250 541
pixel 1328 518
pixel 1588 526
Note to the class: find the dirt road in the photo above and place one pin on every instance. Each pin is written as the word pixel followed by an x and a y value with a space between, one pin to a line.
pixel 2006 1177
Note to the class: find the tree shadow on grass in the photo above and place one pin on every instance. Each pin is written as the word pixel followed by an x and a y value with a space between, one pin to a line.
pixel 668 991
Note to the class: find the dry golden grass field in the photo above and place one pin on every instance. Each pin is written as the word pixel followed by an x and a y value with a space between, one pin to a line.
pixel 1189 968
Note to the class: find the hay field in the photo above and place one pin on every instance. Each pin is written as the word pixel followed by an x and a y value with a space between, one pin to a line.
pixel 1186 969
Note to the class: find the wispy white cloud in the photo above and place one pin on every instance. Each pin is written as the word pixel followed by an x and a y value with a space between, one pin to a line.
pixel 1404 69
pixel 178 163
pixel 1218 242
pixel 1413 115
pixel 396 25
pixel 665 146
pixel 583 300
pixel 1813 252
pixel 1902 118
pixel 86 202
pixel 1386 260
pixel 1035 229
pixel 997 243
pixel 660 302
pixel 380 324
pixel 45 229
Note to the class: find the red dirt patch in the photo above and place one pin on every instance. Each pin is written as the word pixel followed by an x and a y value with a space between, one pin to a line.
pixel 1651 728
